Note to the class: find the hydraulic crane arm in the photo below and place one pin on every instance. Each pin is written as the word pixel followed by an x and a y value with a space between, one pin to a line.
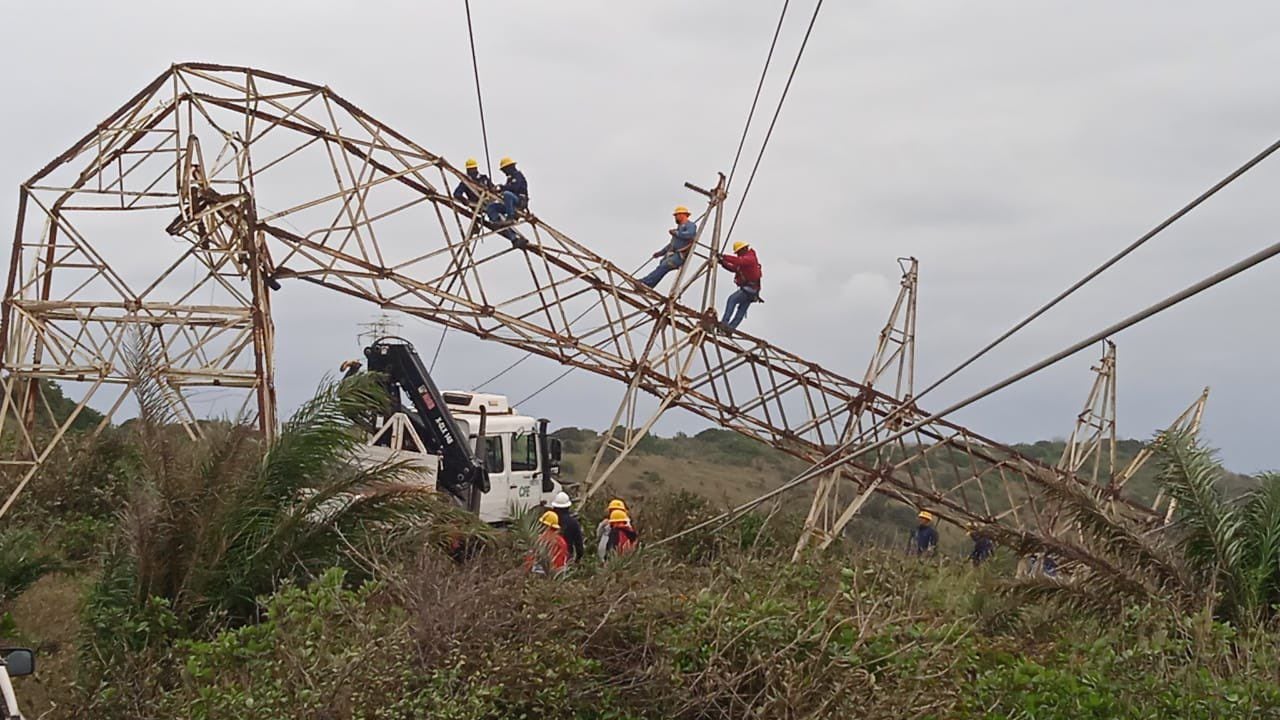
pixel 398 362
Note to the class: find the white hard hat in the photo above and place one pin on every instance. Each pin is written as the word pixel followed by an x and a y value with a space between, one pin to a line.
pixel 561 500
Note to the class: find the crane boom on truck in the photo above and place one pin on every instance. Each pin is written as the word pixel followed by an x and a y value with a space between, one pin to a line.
pixel 471 445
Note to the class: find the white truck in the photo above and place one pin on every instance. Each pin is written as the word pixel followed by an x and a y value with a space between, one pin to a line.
pixel 473 446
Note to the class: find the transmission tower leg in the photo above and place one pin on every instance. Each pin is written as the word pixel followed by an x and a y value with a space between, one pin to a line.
pixel 892 366
pixel 1188 423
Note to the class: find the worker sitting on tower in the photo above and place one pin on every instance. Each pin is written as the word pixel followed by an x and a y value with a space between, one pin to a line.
pixel 463 193
pixel 514 194
pixel 924 538
pixel 674 253
pixel 746 275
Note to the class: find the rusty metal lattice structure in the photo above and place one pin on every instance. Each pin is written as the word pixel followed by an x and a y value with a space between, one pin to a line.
pixel 178 216
pixel 836 500
pixel 1093 437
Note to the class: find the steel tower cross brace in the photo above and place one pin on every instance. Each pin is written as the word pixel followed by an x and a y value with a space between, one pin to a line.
pixel 675 359
pixel 1096 424
pixel 893 361
pixel 164 224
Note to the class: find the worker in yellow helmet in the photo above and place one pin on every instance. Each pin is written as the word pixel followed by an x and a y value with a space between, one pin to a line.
pixel 673 254
pixel 468 190
pixel 602 530
pixel 514 194
pixel 746 275
pixel 550 552
pixel 622 537
pixel 924 538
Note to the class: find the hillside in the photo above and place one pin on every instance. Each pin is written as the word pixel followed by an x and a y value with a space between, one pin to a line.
pixel 728 469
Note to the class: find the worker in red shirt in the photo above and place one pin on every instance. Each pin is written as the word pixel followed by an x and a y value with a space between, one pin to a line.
pixel 550 553
pixel 622 537
pixel 746 274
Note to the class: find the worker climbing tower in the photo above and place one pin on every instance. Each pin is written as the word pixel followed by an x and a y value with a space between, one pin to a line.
pixel 669 353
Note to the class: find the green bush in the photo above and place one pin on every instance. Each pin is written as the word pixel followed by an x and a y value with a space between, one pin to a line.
pixel 23 560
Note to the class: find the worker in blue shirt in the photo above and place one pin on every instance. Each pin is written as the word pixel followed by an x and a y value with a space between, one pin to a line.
pixel 674 253
pixel 924 538
pixel 463 193
pixel 514 193
pixel 983 546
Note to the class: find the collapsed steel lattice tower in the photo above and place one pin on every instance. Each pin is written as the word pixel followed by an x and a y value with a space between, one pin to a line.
pixel 170 223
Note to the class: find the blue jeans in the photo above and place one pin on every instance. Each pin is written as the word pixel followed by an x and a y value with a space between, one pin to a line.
pixel 665 265
pixel 736 308
pixel 507 207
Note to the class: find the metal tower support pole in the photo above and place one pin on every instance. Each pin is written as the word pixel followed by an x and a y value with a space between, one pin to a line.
pixel 894 361
pixel 1095 425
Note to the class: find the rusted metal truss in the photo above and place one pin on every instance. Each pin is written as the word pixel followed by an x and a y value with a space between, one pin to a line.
pixel 1094 436
pixel 176 217
pixel 1092 445
pixel 836 500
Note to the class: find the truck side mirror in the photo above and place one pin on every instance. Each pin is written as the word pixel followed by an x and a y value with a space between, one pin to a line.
pixel 19 662
pixel 555 450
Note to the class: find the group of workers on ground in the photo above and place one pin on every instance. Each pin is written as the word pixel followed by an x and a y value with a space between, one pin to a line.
pixel 561 542
pixel 513 196
pixel 924 542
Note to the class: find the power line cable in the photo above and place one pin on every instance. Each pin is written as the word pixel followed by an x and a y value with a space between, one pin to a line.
pixel 832 459
pixel 475 69
pixel 759 87
pixel 1164 224
pixel 484 134
pixel 769 133
pixel 737 156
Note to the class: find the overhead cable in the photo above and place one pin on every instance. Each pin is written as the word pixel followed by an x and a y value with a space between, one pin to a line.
pixel 759 87
pixel 1164 224
pixel 772 123
pixel 835 458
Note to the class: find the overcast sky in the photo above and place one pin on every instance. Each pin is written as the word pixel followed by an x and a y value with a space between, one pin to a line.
pixel 1010 146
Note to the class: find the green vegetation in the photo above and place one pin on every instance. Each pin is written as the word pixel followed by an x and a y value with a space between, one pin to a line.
pixel 161 578
pixel 1222 556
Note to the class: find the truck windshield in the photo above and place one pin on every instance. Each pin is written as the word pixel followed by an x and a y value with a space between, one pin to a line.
pixel 524 451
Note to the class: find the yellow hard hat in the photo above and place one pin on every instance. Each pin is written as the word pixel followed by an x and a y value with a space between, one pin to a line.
pixel 471 163
pixel 925 515
pixel 681 209
pixel 550 519
pixel 739 246
pixel 504 162
pixel 619 516
pixel 616 504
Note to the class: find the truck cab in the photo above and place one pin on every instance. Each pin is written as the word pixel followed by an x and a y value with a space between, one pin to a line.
pixel 506 465
pixel 523 463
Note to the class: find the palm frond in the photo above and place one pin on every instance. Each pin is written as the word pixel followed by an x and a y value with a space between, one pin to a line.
pixel 1261 510
pixel 1116 546
pixel 319 433
pixel 1210 535
pixel 1085 594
